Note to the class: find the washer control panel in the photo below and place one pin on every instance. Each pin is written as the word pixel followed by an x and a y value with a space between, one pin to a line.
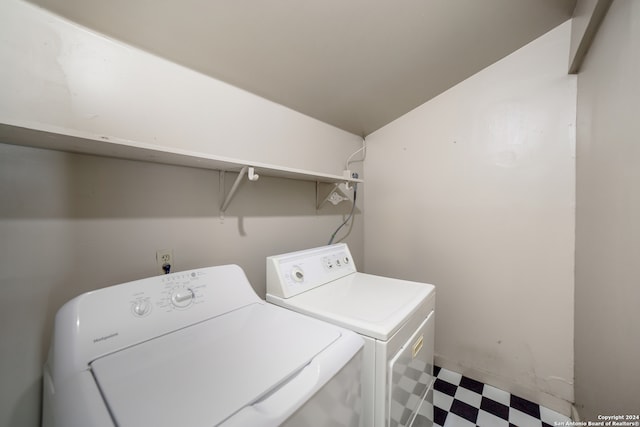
pixel 177 291
pixel 108 319
pixel 297 272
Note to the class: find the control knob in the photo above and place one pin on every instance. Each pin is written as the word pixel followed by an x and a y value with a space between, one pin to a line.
pixel 182 297
pixel 141 307
pixel 297 274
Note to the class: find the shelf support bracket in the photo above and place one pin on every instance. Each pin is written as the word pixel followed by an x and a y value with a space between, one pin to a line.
pixel 251 175
pixel 334 195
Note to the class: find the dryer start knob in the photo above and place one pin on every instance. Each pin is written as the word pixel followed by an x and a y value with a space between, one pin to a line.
pixel 297 274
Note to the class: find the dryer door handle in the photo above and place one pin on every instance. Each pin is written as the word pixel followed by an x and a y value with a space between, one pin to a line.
pixel 417 346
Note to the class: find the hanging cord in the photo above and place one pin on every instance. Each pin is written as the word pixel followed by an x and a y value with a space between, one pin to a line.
pixel 355 185
pixel 353 208
pixel 364 155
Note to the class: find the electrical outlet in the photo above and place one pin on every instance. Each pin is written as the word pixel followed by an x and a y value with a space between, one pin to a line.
pixel 164 257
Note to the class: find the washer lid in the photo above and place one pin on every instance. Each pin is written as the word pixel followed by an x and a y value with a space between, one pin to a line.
pixel 371 305
pixel 203 374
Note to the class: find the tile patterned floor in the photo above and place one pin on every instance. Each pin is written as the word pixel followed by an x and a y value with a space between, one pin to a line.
pixel 462 402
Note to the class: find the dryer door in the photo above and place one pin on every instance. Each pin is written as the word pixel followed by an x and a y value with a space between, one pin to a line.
pixel 411 375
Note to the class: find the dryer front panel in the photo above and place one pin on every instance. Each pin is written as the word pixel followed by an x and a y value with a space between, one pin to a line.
pixel 410 375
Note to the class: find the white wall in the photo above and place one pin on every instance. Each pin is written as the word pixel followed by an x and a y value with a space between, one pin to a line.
pixel 587 16
pixel 57 73
pixel 582 15
pixel 474 192
pixel 70 223
pixel 607 334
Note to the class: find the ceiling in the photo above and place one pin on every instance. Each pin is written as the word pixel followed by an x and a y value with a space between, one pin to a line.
pixel 355 64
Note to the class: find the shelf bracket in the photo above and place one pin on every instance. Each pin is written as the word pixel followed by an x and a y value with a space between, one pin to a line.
pixel 251 175
pixel 334 195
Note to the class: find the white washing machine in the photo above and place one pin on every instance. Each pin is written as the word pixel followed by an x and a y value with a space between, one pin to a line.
pixel 394 317
pixel 197 348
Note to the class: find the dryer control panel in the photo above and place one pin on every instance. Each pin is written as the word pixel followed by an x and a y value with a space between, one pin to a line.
pixel 296 272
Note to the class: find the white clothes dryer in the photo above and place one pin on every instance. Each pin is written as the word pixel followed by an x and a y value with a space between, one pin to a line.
pixel 197 348
pixel 394 317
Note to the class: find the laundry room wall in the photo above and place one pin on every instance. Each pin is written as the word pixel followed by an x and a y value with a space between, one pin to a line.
pixel 607 329
pixel 473 192
pixel 59 74
pixel 70 223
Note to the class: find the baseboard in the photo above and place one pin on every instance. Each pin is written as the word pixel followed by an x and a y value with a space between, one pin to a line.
pixel 575 416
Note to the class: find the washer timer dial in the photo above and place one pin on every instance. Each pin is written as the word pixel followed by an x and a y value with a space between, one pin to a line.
pixel 182 297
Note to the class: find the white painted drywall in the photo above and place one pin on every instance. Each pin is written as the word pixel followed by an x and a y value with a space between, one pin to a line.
pixel 587 16
pixel 55 72
pixel 607 328
pixel 71 223
pixel 474 192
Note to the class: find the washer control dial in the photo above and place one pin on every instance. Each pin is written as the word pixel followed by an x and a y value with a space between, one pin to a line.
pixel 141 307
pixel 182 297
